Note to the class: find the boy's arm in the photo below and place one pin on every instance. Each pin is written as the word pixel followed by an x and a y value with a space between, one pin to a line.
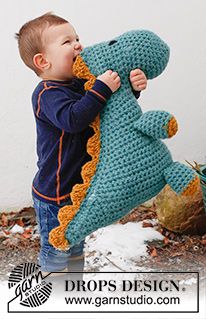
pixel 71 115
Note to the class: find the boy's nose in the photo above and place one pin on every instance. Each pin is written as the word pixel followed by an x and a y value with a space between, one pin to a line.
pixel 78 46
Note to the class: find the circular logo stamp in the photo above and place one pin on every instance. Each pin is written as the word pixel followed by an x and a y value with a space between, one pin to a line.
pixel 29 284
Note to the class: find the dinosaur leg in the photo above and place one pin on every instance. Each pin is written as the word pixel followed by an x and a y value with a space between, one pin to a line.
pixel 181 178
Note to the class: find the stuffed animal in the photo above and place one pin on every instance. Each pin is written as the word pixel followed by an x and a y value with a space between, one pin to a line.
pixel 130 164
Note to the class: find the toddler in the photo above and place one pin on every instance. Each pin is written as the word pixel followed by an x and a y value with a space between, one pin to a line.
pixel 63 111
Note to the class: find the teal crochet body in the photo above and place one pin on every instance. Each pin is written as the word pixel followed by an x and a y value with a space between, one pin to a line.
pixel 134 164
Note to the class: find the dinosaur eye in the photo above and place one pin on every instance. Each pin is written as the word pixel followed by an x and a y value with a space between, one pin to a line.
pixel 112 42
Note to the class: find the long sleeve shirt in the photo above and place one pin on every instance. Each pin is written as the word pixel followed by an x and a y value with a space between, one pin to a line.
pixel 63 112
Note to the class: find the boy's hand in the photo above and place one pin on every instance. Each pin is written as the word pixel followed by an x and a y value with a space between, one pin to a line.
pixel 138 80
pixel 111 79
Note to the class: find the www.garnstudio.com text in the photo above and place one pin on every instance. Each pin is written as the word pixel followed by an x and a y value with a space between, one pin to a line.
pixel 127 300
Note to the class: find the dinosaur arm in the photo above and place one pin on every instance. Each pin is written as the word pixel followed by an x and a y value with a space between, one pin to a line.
pixel 157 124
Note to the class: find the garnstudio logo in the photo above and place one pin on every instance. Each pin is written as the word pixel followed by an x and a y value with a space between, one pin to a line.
pixel 29 285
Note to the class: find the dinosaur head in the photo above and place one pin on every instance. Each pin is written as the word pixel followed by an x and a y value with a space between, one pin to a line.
pixel 134 49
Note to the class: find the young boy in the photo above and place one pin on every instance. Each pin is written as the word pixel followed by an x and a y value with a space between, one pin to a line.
pixel 63 111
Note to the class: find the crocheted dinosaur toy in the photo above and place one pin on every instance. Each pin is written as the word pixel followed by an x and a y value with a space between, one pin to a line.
pixel 129 163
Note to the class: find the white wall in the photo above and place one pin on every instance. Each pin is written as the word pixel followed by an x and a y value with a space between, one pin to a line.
pixel 180 89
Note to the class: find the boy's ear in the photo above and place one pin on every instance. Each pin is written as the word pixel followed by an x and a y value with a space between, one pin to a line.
pixel 41 62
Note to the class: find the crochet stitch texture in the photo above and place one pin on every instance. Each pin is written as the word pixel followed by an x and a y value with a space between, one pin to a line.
pixel 129 163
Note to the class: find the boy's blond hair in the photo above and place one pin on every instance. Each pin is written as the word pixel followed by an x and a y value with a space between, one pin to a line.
pixel 30 37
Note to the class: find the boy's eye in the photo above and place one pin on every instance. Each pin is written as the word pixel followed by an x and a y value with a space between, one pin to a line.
pixel 67 41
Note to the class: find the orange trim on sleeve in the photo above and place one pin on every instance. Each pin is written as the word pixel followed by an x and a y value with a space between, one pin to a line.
pixel 56 199
pixel 98 94
pixel 39 98
pixel 59 166
pixel 40 94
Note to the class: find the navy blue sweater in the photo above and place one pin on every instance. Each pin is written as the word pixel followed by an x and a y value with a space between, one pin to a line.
pixel 63 112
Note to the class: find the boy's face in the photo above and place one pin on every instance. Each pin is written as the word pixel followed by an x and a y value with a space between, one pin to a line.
pixel 61 47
